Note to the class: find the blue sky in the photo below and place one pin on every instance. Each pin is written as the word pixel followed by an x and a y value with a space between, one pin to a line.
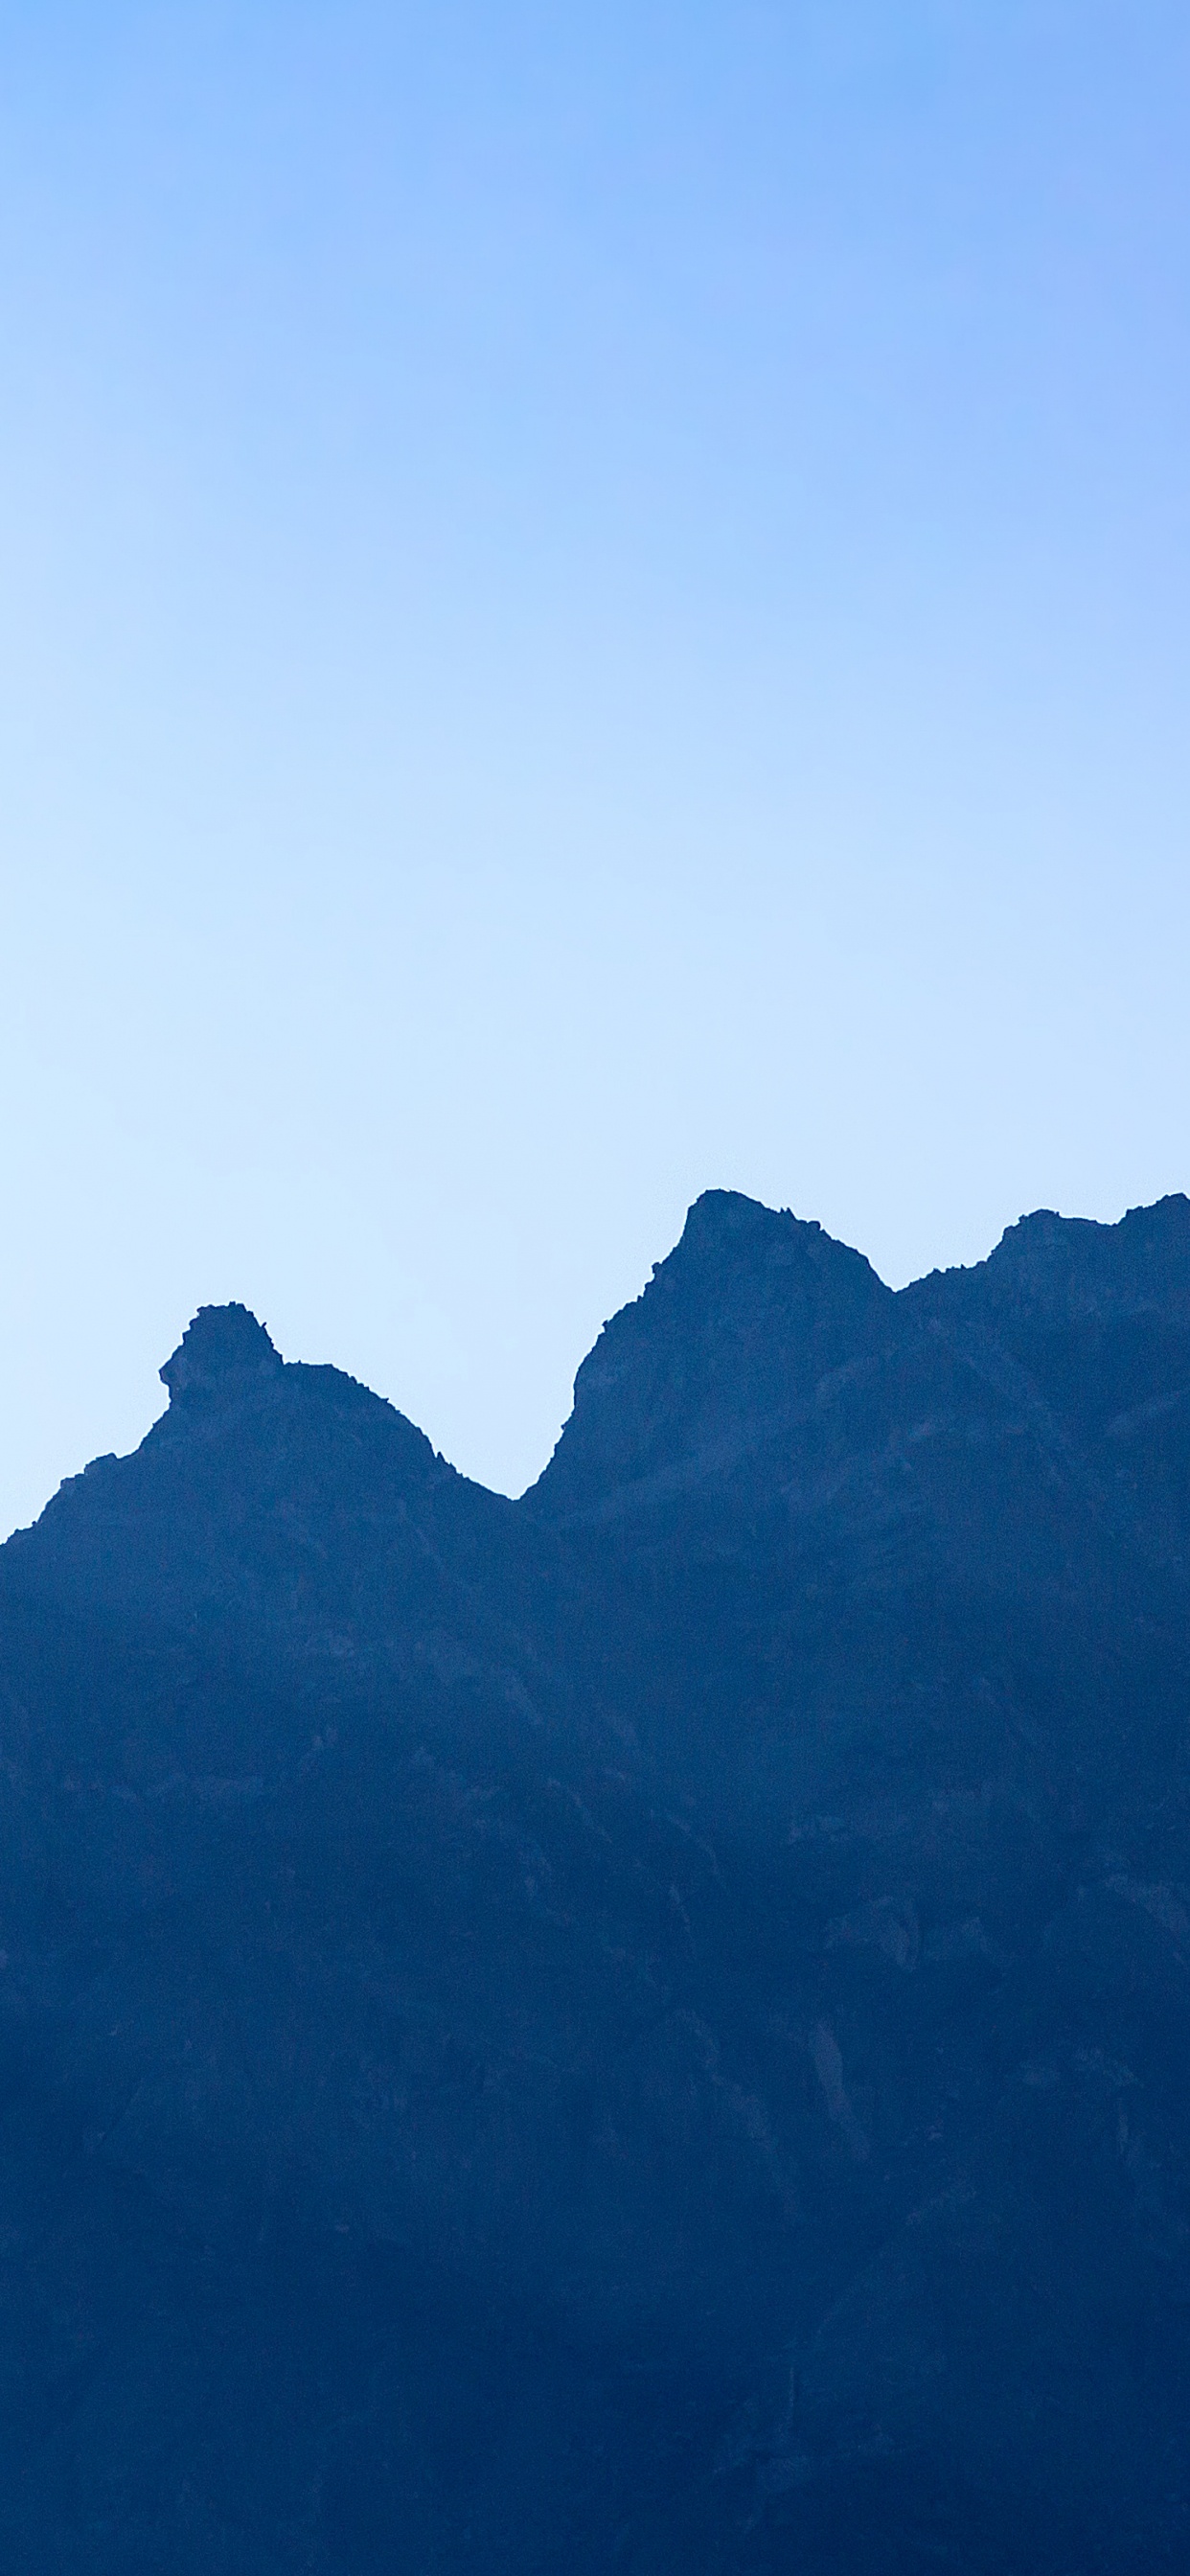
pixel 593 602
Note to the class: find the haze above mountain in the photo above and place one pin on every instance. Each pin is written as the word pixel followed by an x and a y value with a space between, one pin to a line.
pixel 643 2027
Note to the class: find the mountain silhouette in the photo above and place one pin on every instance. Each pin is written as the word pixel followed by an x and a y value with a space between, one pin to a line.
pixel 644 2028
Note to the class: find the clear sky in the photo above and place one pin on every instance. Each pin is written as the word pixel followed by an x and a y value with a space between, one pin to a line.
pixel 593 602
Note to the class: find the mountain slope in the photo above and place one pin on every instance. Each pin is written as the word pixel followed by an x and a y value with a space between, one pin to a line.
pixel 642 2028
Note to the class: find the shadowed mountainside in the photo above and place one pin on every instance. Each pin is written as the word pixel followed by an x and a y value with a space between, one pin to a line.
pixel 643 2028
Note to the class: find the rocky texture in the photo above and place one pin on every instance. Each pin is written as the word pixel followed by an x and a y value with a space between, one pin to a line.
pixel 750 1315
pixel 645 2028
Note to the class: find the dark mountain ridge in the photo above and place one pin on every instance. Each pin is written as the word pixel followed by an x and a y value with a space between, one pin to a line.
pixel 732 1336
pixel 644 2027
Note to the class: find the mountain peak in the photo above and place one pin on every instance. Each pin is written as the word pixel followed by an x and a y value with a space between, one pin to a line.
pixel 1060 1269
pixel 751 1308
pixel 223 1355
pixel 718 1216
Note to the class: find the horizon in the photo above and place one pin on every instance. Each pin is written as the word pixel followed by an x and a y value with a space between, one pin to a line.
pixel 239 1306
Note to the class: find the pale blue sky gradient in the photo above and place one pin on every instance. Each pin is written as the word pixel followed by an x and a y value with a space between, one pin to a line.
pixel 593 601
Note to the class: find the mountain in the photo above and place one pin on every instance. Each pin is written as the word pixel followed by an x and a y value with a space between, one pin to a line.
pixel 643 2028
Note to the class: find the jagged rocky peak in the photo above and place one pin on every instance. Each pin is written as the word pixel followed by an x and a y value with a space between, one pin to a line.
pixel 751 1308
pixel 1077 1267
pixel 223 1356
pixel 1052 1269
pixel 738 1262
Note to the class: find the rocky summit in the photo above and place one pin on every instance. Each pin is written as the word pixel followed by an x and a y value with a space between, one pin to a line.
pixel 644 2029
